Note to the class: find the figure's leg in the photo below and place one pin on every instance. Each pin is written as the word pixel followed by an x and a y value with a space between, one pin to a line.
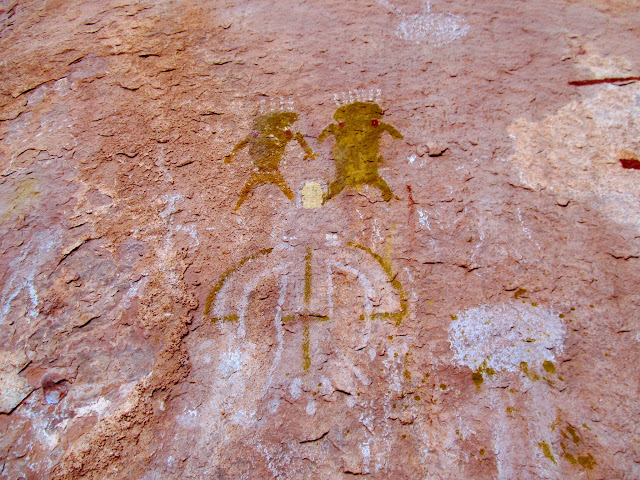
pixel 334 189
pixel 387 193
pixel 252 182
pixel 277 179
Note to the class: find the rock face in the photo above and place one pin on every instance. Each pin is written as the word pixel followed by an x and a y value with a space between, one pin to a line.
pixel 307 240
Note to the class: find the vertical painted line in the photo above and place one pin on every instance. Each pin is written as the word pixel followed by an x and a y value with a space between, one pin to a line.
pixel 306 359
pixel 307 276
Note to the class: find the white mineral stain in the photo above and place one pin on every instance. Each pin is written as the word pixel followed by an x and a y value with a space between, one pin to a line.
pixel 503 336
pixel 24 270
pixel 311 408
pixel 230 362
pixel 274 404
pixel 295 389
pixel 583 143
pixel 98 407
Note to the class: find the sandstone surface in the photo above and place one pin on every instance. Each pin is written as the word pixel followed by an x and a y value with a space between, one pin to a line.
pixel 291 239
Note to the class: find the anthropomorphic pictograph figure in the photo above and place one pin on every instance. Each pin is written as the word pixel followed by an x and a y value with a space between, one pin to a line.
pixel 356 149
pixel 267 143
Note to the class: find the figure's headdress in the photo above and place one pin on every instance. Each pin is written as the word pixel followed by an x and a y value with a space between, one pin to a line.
pixel 280 104
pixel 357 95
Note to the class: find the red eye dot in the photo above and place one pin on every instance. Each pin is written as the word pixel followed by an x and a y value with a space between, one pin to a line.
pixel 288 132
pixel 341 124
pixel 256 134
pixel 374 123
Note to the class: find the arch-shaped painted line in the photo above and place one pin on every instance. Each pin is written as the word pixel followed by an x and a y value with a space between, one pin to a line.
pixel 225 276
pixel 395 283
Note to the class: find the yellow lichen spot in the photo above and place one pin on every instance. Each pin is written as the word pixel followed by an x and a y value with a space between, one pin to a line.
pixel 587 461
pixel 417 397
pixel 482 452
pixel 524 366
pixel 443 386
pixel 453 317
pixel 592 306
pixel 534 304
pixel 511 410
pixel 546 450
pixel 518 293
pixel 561 315
pixel 404 436
pixel 312 195
pixel 570 458
pixel 549 366
pixel 390 337
pixel 477 378
pixel 574 435
pixel 407 374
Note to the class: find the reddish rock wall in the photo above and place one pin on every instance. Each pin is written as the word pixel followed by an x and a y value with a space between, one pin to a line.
pixel 420 262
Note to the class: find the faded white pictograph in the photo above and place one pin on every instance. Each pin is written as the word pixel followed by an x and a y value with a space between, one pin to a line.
pixel 428 28
pixel 503 336
pixel 494 340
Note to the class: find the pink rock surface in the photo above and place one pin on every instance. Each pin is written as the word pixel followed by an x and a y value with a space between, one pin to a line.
pixel 482 323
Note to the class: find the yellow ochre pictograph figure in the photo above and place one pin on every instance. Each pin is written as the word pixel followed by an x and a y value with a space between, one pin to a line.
pixel 357 135
pixel 271 134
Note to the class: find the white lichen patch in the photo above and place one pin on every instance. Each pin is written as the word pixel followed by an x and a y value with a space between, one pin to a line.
pixel 501 337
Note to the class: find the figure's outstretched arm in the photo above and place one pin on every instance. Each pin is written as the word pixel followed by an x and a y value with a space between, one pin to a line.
pixel 329 130
pixel 392 130
pixel 305 146
pixel 243 143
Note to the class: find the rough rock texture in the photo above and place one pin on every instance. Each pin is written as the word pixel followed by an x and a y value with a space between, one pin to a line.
pixel 436 280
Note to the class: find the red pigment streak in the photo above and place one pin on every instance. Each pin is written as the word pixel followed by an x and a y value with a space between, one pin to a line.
pixel 412 209
pixel 410 192
pixel 596 81
pixel 632 163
